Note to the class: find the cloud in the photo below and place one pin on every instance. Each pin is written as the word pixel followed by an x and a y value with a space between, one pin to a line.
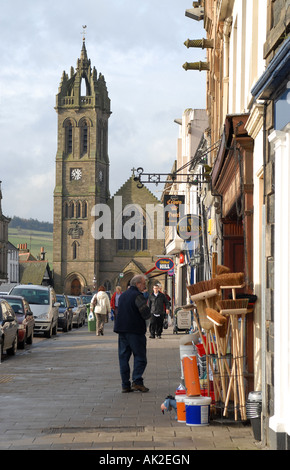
pixel 139 49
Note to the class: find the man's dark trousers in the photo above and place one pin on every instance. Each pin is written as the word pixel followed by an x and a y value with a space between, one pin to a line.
pixel 131 343
pixel 156 325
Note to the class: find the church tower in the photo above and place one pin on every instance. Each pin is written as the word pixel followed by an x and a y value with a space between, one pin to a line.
pixel 82 174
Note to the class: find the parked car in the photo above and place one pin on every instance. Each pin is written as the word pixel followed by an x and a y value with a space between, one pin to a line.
pixel 8 328
pixel 86 298
pixel 65 313
pixel 24 317
pixel 42 300
pixel 79 310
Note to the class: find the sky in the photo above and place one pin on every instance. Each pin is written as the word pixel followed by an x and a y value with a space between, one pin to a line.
pixel 139 48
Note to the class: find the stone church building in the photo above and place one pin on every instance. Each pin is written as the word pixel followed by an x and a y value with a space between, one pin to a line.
pixel 89 243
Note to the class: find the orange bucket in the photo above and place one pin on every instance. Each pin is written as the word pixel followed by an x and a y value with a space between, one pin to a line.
pixel 191 377
pixel 180 407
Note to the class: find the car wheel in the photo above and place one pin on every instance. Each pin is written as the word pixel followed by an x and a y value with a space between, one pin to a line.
pixel 65 328
pixel 12 351
pixel 21 344
pixel 54 330
pixel 48 333
pixel 30 339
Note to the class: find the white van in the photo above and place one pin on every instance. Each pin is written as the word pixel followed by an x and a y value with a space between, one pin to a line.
pixel 43 304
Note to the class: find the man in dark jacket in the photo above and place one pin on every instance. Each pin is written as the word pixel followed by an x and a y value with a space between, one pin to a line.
pixel 156 303
pixel 131 328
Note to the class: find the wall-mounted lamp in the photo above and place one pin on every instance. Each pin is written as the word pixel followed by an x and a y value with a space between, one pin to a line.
pixel 195 13
pixel 196 66
pixel 203 43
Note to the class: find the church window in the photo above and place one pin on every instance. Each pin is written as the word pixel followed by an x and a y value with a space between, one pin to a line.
pixel 84 139
pixel 136 241
pixel 68 138
pixel 78 210
pixel 74 250
pixel 85 210
pixel 72 210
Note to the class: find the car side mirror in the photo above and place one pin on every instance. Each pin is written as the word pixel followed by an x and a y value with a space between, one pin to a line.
pixel 9 319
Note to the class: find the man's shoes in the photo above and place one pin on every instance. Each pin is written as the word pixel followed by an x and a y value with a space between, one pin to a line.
pixel 159 337
pixel 152 337
pixel 139 388
pixel 127 390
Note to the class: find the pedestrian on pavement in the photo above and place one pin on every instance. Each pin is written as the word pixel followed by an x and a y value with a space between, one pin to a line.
pixel 115 300
pixel 100 305
pixel 131 328
pixel 146 293
pixel 157 302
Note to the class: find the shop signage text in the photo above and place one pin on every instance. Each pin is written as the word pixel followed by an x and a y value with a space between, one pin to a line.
pixel 164 264
pixel 189 227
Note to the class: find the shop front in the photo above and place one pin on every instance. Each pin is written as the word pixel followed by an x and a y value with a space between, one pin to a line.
pixel 232 181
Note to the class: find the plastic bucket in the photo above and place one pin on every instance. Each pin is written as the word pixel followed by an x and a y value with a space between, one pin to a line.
pixel 197 411
pixel 185 350
pixel 180 407
pixel 191 376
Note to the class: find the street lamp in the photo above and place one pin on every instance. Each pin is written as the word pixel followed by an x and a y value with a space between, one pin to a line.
pixel 95 282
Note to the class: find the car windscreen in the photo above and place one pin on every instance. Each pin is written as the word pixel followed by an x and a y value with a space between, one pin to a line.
pixel 16 304
pixel 61 300
pixel 86 298
pixel 33 296
pixel 73 301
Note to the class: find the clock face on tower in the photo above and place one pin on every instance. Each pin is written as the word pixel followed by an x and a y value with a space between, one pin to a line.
pixel 75 174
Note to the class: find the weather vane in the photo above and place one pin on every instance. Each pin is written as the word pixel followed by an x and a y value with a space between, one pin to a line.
pixel 84 31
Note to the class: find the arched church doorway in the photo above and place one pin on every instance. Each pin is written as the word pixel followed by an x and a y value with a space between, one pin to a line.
pixel 75 287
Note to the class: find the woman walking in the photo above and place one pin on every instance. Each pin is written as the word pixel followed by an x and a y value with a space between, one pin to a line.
pixel 100 305
pixel 115 300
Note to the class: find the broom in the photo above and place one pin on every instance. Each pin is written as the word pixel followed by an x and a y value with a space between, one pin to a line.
pixel 203 290
pixel 233 308
pixel 220 328
pixel 230 279
pixel 236 306
pixel 222 269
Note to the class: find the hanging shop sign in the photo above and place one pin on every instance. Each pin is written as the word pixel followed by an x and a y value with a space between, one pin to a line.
pixel 164 264
pixel 173 209
pixel 189 227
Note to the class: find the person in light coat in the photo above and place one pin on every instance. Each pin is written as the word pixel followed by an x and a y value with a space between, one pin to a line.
pixel 100 305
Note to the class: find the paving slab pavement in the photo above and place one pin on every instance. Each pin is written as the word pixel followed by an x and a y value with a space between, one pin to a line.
pixel 64 393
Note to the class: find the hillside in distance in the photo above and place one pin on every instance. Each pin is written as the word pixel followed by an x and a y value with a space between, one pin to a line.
pixel 34 233
pixel 30 224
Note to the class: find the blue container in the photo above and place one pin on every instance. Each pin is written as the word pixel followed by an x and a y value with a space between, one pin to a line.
pixel 197 411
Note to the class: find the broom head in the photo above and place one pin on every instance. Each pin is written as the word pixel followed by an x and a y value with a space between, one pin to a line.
pixel 222 270
pixel 233 306
pixel 204 286
pixel 217 318
pixel 231 279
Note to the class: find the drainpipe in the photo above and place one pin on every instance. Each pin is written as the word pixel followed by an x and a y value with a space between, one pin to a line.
pixel 263 284
pixel 226 41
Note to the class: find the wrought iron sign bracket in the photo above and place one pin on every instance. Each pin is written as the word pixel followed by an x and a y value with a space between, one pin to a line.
pixel 142 178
